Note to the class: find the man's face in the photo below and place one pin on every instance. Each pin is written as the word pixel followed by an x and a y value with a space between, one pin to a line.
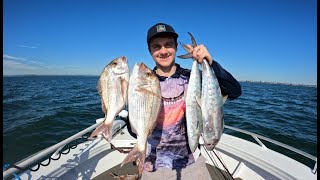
pixel 163 51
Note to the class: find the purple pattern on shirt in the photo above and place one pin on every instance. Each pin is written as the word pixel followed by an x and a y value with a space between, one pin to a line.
pixel 167 145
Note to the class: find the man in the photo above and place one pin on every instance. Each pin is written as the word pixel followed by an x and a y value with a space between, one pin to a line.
pixel 168 152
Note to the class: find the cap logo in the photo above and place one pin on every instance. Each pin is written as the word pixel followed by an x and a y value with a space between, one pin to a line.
pixel 161 28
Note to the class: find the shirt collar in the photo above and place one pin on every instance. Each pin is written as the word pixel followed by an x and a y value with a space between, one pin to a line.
pixel 176 74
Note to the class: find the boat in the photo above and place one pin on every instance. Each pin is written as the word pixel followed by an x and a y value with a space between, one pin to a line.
pixel 232 158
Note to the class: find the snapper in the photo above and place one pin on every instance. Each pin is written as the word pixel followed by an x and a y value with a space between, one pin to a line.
pixel 113 90
pixel 144 103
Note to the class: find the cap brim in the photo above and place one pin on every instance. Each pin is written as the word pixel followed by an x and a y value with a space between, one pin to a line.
pixel 160 34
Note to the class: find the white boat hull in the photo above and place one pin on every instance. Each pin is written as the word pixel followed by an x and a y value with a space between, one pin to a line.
pixel 242 158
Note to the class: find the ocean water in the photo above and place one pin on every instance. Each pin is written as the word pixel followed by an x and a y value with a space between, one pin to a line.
pixel 40 111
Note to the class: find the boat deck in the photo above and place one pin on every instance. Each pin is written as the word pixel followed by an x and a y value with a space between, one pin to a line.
pixel 131 169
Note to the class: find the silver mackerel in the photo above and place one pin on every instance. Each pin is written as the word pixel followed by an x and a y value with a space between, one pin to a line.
pixel 212 106
pixel 193 110
pixel 193 98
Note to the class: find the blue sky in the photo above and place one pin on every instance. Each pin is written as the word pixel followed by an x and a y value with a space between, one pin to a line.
pixel 258 40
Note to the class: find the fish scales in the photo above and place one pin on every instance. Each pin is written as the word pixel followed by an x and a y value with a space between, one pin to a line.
pixel 193 109
pixel 113 89
pixel 144 102
pixel 212 106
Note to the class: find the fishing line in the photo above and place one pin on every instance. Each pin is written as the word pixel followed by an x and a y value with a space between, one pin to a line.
pixel 216 164
pixel 223 165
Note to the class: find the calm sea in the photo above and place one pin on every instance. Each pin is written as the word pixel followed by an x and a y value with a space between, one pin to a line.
pixel 40 111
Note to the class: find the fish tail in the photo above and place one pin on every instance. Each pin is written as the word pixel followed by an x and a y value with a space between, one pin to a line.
pixel 105 130
pixel 108 133
pixel 137 156
pixel 189 55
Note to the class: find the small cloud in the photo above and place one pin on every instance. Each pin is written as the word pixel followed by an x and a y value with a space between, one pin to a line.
pixel 11 63
pixel 12 58
pixel 31 47
pixel 17 65
pixel 7 57
pixel 36 62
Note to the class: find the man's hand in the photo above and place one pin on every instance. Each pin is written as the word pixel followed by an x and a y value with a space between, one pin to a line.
pixel 199 53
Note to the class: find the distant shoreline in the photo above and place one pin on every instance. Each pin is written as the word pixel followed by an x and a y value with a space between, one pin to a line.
pixel 26 75
pixel 289 84
pixel 250 81
pixel 282 83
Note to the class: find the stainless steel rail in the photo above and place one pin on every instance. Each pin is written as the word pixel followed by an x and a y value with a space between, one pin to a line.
pixel 34 158
pixel 57 147
pixel 258 137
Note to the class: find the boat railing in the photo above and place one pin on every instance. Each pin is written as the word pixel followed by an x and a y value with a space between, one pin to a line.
pixel 55 149
pixel 258 137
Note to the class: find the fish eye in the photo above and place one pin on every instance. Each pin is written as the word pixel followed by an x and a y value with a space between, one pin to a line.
pixel 148 74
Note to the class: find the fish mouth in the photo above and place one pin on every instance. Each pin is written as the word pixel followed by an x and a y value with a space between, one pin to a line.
pixel 142 66
pixel 123 72
pixel 145 68
pixel 124 66
pixel 124 59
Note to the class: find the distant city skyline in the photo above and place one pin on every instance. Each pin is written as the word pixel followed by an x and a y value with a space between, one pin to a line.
pixel 267 40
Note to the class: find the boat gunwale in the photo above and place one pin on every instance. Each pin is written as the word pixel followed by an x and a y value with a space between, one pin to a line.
pixel 257 137
pixel 55 148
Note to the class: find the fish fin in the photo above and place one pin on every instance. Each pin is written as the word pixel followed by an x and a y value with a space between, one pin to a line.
pixel 103 107
pixel 124 90
pixel 198 101
pixel 137 156
pixel 194 44
pixel 132 156
pixel 99 87
pixel 185 56
pixel 143 90
pixel 189 55
pixel 225 98
pixel 184 46
pixel 100 93
pixel 105 130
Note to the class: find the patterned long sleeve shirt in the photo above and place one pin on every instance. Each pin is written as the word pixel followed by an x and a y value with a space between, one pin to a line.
pixel 168 144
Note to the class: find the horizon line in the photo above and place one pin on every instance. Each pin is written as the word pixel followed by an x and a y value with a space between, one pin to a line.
pixel 255 81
